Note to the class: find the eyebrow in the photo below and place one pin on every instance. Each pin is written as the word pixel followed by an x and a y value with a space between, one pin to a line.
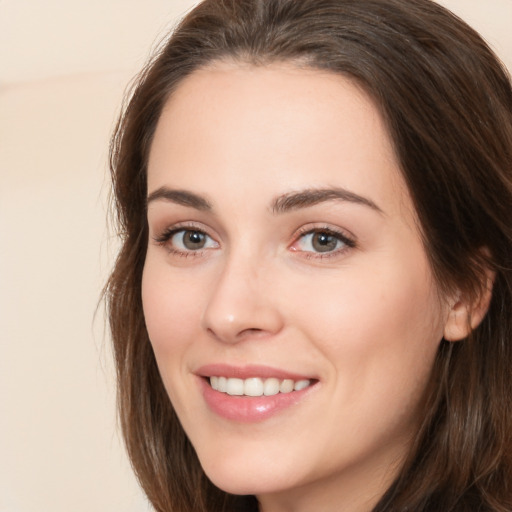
pixel 309 197
pixel 182 197
pixel 284 203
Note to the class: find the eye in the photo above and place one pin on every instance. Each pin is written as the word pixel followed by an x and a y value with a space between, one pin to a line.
pixel 191 240
pixel 186 240
pixel 322 241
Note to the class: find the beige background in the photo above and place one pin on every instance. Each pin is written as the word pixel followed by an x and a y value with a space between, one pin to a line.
pixel 63 68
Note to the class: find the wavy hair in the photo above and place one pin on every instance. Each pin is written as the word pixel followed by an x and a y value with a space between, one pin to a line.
pixel 447 103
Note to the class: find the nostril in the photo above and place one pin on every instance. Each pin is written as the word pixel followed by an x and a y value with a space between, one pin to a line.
pixel 251 331
pixel 211 332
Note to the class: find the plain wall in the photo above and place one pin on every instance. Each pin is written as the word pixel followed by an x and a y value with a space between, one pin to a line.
pixel 63 68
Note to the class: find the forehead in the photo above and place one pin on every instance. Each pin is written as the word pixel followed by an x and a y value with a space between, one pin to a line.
pixel 278 125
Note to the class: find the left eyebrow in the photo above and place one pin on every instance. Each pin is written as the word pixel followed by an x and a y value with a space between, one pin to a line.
pixel 309 197
pixel 182 197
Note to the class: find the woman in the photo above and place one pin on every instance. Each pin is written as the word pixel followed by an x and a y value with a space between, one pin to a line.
pixel 312 308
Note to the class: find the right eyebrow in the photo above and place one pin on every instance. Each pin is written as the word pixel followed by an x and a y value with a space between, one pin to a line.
pixel 182 197
pixel 309 197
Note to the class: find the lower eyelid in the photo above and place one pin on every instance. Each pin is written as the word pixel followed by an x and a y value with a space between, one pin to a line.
pixel 185 254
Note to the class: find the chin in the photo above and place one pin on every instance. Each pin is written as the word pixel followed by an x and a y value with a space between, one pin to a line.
pixel 245 480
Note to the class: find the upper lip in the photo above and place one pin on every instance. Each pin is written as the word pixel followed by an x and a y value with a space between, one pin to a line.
pixel 247 372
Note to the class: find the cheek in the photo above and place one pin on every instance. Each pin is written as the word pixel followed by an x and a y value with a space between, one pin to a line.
pixel 378 328
pixel 380 341
pixel 172 314
pixel 171 308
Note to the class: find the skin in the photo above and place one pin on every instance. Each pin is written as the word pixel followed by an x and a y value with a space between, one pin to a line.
pixel 364 320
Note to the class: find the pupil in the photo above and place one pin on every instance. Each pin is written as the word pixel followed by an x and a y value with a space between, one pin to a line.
pixel 323 242
pixel 194 240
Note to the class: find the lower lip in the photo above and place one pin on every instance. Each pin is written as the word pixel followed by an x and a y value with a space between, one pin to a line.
pixel 248 409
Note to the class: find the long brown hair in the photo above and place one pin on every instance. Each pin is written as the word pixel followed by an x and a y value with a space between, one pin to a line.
pixel 447 102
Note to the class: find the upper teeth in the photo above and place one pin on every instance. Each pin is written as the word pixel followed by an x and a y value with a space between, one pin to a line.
pixel 256 386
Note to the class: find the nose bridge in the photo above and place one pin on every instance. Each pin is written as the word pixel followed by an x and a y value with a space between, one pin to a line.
pixel 240 302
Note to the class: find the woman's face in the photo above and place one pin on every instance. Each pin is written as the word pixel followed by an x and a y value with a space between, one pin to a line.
pixel 284 253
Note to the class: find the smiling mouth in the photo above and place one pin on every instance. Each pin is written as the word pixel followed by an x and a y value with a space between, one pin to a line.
pixel 256 386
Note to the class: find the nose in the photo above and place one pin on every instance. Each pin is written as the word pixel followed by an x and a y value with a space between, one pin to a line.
pixel 242 303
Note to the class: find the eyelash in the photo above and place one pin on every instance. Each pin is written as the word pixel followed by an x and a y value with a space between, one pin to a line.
pixel 349 243
pixel 164 238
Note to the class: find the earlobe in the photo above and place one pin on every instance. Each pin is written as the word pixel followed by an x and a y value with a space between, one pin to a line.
pixel 464 316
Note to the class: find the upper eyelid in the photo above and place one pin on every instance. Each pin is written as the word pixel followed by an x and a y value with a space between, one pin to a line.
pixel 182 226
pixel 318 228
pixel 169 232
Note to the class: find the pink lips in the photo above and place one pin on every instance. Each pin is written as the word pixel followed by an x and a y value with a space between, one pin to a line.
pixel 247 409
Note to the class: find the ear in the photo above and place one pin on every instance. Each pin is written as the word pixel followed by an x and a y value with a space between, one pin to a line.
pixel 465 315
